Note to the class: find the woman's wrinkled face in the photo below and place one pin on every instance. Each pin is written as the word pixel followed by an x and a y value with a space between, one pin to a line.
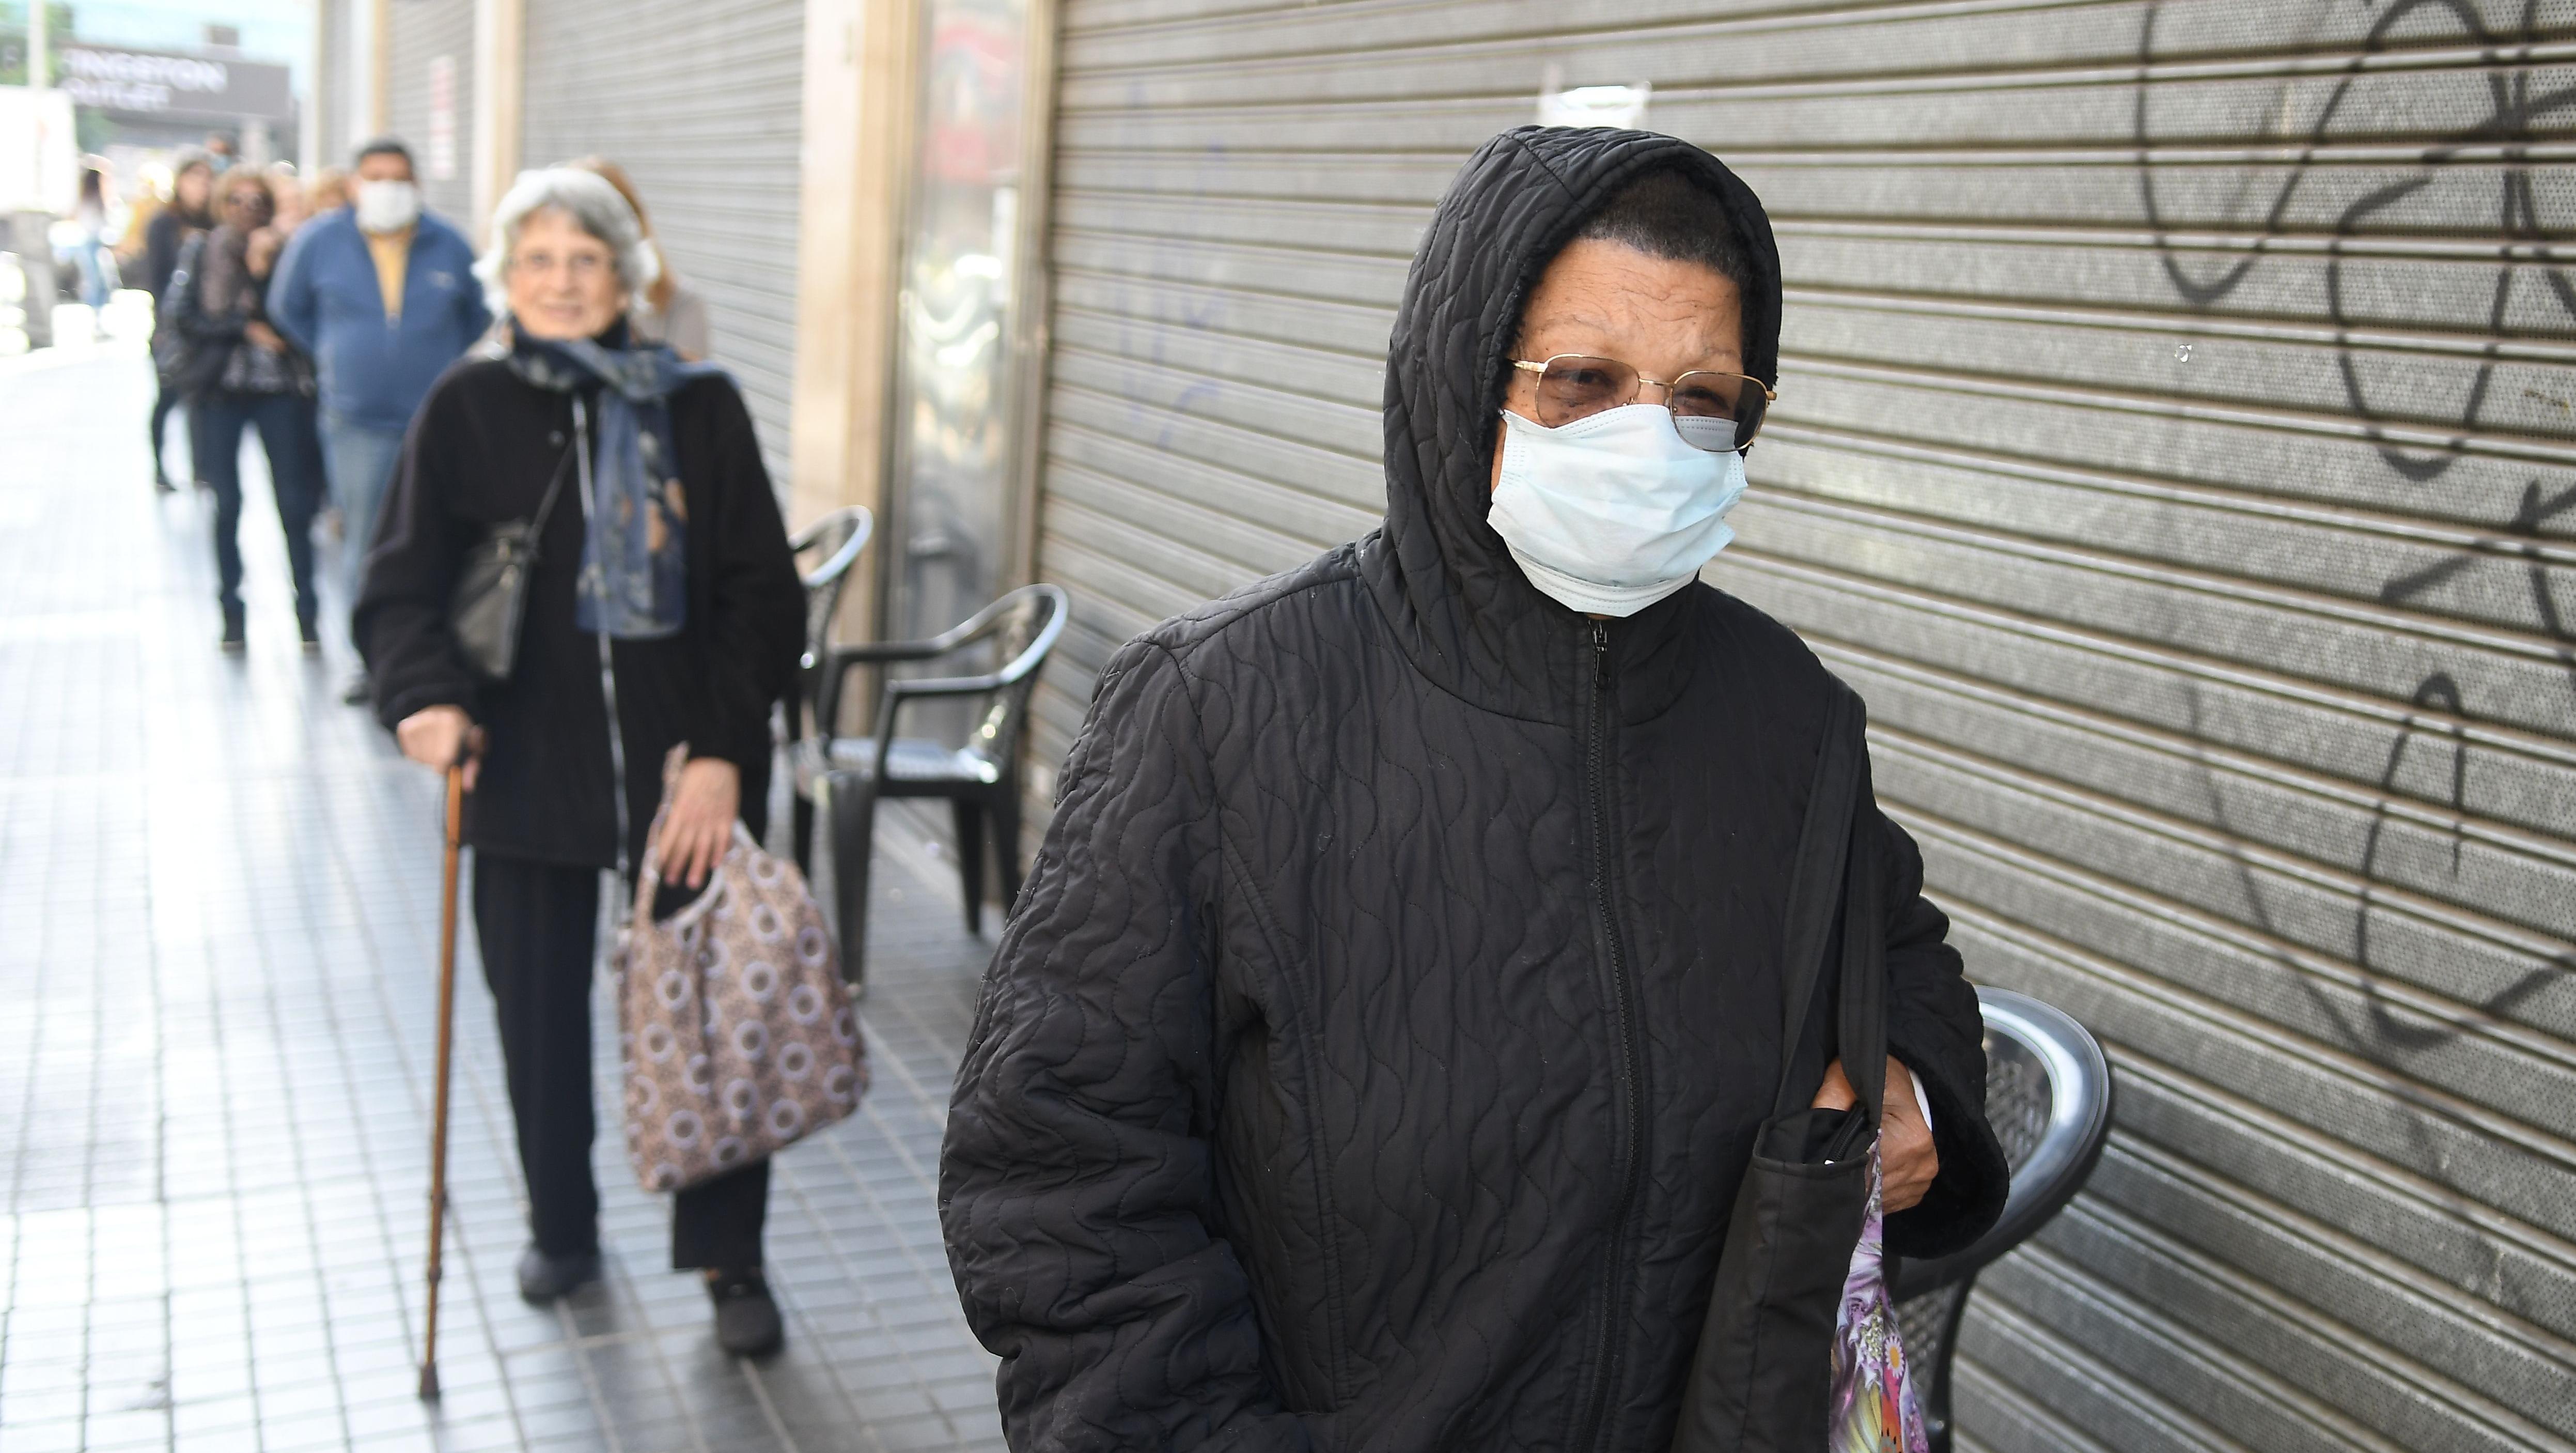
pixel 1607 299
pixel 562 282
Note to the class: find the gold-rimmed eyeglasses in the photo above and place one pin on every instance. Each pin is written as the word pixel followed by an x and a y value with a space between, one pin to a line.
pixel 1574 386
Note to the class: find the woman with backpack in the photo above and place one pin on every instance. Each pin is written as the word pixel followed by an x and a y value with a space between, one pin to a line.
pixel 240 374
pixel 186 216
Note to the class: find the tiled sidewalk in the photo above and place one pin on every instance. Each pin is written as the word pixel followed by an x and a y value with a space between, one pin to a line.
pixel 218 917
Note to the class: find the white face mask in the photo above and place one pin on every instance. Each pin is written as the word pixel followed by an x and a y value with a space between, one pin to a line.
pixel 387 206
pixel 1612 513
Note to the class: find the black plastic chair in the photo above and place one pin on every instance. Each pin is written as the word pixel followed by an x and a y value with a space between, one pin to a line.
pixel 836 540
pixel 832 545
pixel 2048 1095
pixel 844 777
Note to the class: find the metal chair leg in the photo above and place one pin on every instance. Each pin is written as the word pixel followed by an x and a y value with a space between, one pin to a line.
pixel 969 816
pixel 1006 846
pixel 847 803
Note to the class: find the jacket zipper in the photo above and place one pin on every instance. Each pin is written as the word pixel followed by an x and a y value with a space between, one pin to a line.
pixel 607 658
pixel 1632 1084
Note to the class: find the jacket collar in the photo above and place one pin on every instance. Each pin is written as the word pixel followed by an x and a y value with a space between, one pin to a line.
pixel 1459 606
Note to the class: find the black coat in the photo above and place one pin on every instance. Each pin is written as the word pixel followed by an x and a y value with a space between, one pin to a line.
pixel 479 453
pixel 167 232
pixel 1380 1039
pixel 214 335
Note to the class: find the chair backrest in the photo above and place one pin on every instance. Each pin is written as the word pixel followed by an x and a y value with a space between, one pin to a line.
pixel 833 543
pixel 2048 1096
pixel 1024 627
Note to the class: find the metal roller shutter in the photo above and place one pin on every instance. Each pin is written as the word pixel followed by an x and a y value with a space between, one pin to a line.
pixel 701 103
pixel 430 100
pixel 2174 446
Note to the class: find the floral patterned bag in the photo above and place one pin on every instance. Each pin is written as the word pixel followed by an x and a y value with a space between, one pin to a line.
pixel 736 1029
pixel 1874 1409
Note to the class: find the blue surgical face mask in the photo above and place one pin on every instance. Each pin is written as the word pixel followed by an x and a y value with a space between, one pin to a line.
pixel 1613 512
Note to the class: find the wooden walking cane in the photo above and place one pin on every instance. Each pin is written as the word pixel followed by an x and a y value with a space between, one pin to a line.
pixel 446 1047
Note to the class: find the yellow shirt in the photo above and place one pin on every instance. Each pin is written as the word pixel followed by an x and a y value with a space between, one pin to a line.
pixel 392 252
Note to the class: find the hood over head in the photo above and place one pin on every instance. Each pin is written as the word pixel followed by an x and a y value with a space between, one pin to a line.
pixel 1465 613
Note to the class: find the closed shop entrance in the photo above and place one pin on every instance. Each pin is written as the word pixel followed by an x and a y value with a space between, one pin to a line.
pixel 2174 445
pixel 700 104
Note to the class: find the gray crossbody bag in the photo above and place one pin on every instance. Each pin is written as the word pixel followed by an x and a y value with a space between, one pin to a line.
pixel 491 600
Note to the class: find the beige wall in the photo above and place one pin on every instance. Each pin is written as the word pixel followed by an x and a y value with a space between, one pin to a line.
pixel 500 67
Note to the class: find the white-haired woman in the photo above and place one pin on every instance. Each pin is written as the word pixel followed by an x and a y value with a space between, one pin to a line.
pixel 663 608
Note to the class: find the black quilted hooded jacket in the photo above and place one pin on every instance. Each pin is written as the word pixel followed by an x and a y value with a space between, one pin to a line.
pixel 1379 1042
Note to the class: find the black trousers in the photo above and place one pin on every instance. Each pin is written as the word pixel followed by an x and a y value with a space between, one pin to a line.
pixel 164 399
pixel 538 925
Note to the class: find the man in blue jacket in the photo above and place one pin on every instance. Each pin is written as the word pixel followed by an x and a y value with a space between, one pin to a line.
pixel 383 295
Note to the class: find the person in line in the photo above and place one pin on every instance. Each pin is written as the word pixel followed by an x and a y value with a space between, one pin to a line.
pixel 1378 1046
pixel 328 192
pixel 382 296
pixel 90 254
pixel 252 378
pixel 189 214
pixel 151 194
pixel 294 209
pixel 664 608
pixel 671 312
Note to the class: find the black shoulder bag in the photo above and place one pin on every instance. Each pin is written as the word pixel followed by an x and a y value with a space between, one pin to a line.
pixel 491 599
pixel 1762 1377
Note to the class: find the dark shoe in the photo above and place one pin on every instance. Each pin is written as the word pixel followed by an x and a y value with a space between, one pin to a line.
pixel 360 692
pixel 543 1278
pixel 311 632
pixel 747 1322
pixel 236 640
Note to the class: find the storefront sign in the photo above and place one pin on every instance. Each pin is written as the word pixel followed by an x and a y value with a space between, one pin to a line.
pixel 442 118
pixel 176 86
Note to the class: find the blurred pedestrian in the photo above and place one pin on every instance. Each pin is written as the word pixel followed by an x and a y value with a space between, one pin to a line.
pixel 293 207
pixel 668 312
pixel 150 195
pixel 89 253
pixel 1411 965
pixel 186 215
pixel 381 295
pixel 663 608
pixel 327 192
pixel 219 151
pixel 250 377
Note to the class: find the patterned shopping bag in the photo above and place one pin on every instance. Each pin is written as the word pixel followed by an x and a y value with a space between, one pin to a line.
pixel 739 1036
pixel 1874 1409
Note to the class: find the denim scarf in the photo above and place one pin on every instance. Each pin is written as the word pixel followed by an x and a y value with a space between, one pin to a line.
pixel 634 552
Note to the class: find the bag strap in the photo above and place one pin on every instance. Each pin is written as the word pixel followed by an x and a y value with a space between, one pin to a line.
pixel 1861 1031
pixel 554 486
pixel 1817 885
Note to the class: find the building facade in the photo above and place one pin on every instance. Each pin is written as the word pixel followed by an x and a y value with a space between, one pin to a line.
pixel 2175 446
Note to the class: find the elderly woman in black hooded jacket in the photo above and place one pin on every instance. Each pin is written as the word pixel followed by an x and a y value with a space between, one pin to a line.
pixel 663 609
pixel 1383 1035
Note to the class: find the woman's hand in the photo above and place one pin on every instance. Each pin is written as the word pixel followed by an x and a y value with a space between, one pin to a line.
pixel 1906 1159
pixel 700 822
pixel 264 336
pixel 437 737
